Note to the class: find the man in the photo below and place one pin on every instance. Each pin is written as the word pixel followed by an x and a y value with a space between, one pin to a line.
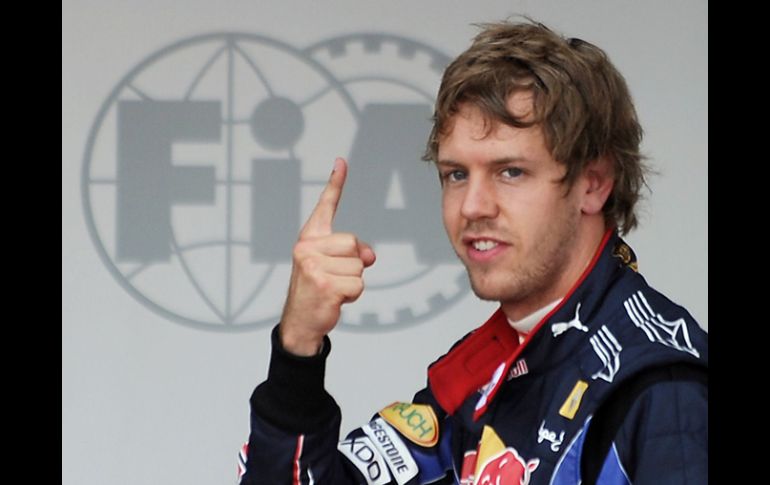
pixel 536 142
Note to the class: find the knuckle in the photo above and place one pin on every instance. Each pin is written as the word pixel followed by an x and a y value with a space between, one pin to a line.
pixel 322 282
pixel 308 264
pixel 349 241
pixel 301 248
pixel 355 291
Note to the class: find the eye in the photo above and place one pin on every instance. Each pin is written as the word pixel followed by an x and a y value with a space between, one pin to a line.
pixel 512 172
pixel 454 176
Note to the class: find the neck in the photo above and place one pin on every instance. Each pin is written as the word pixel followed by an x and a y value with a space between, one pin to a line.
pixel 586 243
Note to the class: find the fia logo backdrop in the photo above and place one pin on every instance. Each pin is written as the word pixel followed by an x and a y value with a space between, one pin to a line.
pixel 206 158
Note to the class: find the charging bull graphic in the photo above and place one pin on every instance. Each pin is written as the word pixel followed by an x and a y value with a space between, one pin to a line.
pixel 496 464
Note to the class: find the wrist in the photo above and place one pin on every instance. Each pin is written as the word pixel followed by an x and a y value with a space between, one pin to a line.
pixel 299 343
pixel 293 397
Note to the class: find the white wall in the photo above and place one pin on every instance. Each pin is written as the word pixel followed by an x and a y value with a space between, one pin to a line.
pixel 149 400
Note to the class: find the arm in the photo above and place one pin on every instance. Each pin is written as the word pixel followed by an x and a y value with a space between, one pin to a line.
pixel 294 421
pixel 295 429
pixel 292 416
pixel 664 438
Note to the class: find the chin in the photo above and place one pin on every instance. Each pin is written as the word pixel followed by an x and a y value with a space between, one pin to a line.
pixel 488 289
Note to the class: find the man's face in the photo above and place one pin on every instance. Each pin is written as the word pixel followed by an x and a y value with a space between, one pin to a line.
pixel 507 216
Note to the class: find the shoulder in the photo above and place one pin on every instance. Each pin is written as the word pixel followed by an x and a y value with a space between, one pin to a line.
pixel 648 321
pixel 669 407
pixel 665 434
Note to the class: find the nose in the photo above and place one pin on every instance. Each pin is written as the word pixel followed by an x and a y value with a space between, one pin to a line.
pixel 480 201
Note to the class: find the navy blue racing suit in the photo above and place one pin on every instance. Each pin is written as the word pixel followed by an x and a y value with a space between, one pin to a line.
pixel 497 411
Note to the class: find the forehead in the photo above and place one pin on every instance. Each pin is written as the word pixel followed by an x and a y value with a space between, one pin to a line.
pixel 520 105
pixel 471 126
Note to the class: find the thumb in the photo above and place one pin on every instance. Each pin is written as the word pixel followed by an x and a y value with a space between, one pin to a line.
pixel 366 253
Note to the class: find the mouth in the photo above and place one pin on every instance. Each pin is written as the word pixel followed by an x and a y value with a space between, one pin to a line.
pixel 483 249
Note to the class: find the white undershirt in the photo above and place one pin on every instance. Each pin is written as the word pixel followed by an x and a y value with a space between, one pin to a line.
pixel 526 324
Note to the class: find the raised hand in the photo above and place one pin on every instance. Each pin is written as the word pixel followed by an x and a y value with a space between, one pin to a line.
pixel 327 271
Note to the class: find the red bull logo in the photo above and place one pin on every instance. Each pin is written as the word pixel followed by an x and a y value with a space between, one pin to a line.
pixel 496 464
pixel 507 468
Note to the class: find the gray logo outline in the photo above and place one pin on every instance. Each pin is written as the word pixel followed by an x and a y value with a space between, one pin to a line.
pixel 436 303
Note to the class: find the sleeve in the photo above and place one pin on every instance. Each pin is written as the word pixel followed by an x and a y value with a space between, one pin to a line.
pixel 294 437
pixel 664 438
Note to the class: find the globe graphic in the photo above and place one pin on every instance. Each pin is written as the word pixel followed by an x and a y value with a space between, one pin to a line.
pixel 271 104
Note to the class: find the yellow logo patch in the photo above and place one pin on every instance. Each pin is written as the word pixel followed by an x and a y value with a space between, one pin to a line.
pixel 571 405
pixel 625 254
pixel 417 422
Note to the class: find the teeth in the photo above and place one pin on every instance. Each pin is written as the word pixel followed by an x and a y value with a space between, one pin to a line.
pixel 484 245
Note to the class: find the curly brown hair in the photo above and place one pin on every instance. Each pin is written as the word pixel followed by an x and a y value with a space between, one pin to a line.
pixel 580 100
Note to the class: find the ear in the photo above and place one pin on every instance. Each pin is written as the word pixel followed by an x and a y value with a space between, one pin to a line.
pixel 599 179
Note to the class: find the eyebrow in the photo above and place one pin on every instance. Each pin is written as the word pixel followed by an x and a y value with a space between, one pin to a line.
pixel 494 163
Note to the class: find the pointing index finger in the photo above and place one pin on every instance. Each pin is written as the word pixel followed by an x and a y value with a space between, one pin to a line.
pixel 320 221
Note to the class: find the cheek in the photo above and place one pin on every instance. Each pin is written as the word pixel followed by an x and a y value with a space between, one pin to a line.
pixel 450 210
pixel 534 221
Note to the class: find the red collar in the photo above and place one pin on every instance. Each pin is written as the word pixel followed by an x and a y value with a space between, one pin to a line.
pixel 471 363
